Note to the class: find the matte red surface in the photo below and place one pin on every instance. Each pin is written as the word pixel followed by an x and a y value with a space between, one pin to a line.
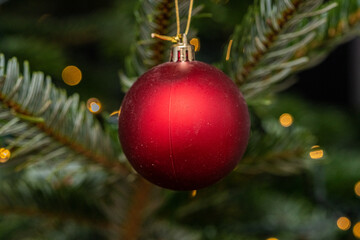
pixel 184 125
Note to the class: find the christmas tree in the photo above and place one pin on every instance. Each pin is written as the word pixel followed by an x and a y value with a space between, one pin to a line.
pixel 64 174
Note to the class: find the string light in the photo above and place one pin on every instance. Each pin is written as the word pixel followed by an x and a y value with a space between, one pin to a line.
pixel 193 193
pixel 356 230
pixel 357 188
pixel 286 120
pixel 343 223
pixel 229 50
pixel 316 152
pixel 4 155
pixel 94 105
pixel 71 75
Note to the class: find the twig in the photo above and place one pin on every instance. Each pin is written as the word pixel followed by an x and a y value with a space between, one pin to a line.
pixel 134 218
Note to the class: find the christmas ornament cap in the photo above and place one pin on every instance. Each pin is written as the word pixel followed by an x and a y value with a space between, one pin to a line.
pixel 182 51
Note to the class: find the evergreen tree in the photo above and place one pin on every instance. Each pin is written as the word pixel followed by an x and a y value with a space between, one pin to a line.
pixel 63 172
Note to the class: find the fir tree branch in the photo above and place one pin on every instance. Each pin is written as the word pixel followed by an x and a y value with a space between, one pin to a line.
pixel 34 212
pixel 287 162
pixel 276 150
pixel 169 231
pixel 162 17
pixel 275 27
pixel 36 117
pixel 61 200
pixel 342 25
pixel 262 53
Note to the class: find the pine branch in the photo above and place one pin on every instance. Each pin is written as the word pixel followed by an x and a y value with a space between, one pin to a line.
pixel 33 212
pixel 169 231
pixel 262 52
pixel 342 25
pixel 94 200
pixel 152 17
pixel 63 201
pixel 302 35
pixel 38 122
pixel 276 150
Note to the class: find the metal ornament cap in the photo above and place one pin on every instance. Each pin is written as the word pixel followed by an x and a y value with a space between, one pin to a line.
pixel 182 51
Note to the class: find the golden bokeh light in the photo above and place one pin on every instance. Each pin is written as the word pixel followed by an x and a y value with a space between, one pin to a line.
pixel 357 188
pixel 93 105
pixel 343 223
pixel 71 75
pixel 316 152
pixel 193 193
pixel 272 238
pixel 4 155
pixel 286 120
pixel 356 230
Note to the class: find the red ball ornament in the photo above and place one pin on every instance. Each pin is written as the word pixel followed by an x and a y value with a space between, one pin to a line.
pixel 184 124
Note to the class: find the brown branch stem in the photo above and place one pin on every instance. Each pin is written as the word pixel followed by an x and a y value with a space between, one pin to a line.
pixel 162 21
pixel 134 218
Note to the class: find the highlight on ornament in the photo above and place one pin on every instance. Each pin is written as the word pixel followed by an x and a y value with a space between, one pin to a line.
pixel 357 188
pixel 343 223
pixel 71 75
pixel 316 152
pixel 4 155
pixel 93 105
pixel 286 119
pixel 356 230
